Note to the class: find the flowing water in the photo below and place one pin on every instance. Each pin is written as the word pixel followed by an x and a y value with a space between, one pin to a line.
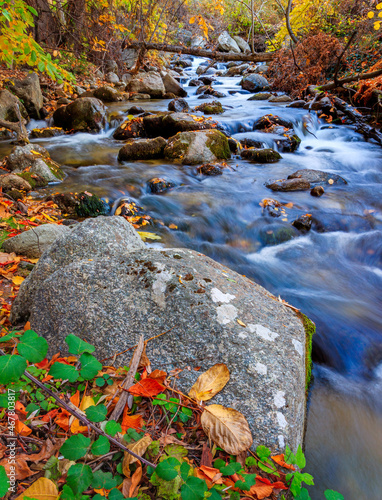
pixel 333 273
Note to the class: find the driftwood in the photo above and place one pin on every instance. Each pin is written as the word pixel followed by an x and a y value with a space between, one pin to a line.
pixel 19 128
pixel 210 54
pixel 360 123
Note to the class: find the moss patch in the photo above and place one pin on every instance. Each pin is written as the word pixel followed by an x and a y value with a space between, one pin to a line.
pixel 218 143
pixel 34 180
pixel 55 169
pixel 310 330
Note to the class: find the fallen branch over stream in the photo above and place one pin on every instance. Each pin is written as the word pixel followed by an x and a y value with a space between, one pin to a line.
pixel 210 54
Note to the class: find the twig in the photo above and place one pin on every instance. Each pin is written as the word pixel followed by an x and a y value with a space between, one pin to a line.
pixel 128 382
pixel 81 417
pixel 340 58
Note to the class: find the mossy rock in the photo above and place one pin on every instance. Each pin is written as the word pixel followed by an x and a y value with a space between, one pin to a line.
pixel 310 330
pixel 34 180
pixel 90 205
pixel 258 155
pixel 44 133
pixel 218 143
pixel 211 108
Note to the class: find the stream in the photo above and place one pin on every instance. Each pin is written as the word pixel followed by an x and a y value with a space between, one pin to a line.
pixel 333 273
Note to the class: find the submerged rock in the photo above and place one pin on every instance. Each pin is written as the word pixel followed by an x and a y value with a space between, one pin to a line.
pixel 317 177
pixel 198 147
pixel 288 185
pixel 157 185
pixel 142 149
pixel 303 223
pixel 85 113
pixel 210 169
pixel 100 283
pixel 267 155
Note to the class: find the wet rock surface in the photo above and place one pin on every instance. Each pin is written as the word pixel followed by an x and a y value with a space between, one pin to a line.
pixel 289 185
pixel 317 177
pixel 85 113
pixel 254 83
pixel 158 185
pixel 266 155
pixel 142 149
pixel 115 292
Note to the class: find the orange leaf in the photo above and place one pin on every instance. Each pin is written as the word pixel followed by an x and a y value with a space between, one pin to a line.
pixel 22 429
pixel 63 422
pixel 43 365
pixel 135 480
pixel 147 388
pixel 158 375
pixel 261 490
pixel 131 421
pixel 280 460
pixel 50 415
pixel 77 428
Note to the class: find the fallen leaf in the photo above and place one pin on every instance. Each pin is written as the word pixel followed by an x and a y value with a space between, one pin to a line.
pixel 17 280
pixel 330 181
pixel 227 428
pixel 139 448
pixel 147 388
pixel 241 323
pixel 158 375
pixel 210 382
pixel 148 236
pixel 42 489
pixel 126 487
pixel 280 460
pixel 135 480
pixel 261 490
pixel 131 421
pixel 22 429
pixel 21 469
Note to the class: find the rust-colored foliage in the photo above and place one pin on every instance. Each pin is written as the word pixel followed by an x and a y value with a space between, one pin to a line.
pixel 368 90
pixel 314 58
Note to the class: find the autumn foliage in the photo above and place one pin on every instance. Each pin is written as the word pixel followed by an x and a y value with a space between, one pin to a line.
pixel 310 63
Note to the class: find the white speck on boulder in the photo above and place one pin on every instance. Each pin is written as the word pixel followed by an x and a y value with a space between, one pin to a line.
pixel 261 369
pixel 219 296
pixel 263 332
pixel 279 399
pixel 226 313
pixel 281 441
pixel 281 420
pixel 298 346
pixel 159 286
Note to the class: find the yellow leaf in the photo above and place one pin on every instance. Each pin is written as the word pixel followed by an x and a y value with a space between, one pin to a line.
pixel 42 489
pixel 331 181
pixel 210 382
pixel 192 20
pixel 17 280
pixel 86 402
pixel 370 15
pixel 241 323
pixel 227 428
pixel 139 447
pixel 148 236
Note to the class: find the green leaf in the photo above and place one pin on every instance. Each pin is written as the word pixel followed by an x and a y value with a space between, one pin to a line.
pixel 101 446
pixel 12 367
pixel 67 493
pixel 31 9
pixel 112 427
pixel 249 480
pixel 333 495
pixel 75 447
pixel 63 371
pixel 300 458
pixel 193 489
pixel 96 413
pixel 77 346
pixel 10 336
pixel 250 462
pixel 31 408
pixel 166 469
pixel 7 15
pixel 187 411
pixel 263 452
pixel 33 56
pixel 103 480
pixel 4 483
pixel 32 347
pixel 90 366
pixel 184 470
pixel 219 463
pixel 231 468
pixel 41 66
pixel 79 477
pixel 289 457
pixel 269 470
pixel 160 399
pixel 304 495
pixel 100 382
pixel 115 494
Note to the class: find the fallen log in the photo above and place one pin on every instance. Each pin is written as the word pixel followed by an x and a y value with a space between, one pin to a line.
pixel 349 79
pixel 361 126
pixel 210 54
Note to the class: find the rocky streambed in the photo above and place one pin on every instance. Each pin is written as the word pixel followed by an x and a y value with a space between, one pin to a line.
pixel 305 224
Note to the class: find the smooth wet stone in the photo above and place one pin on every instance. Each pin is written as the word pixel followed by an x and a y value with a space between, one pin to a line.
pixel 303 223
pixel 254 83
pixel 280 98
pixel 172 86
pixel 157 185
pixel 210 169
pixel 251 143
pixel 85 113
pixel 210 108
pixel 317 191
pixel 269 121
pixel 260 96
pixel 142 149
pixel 44 133
pixel 179 106
pixel 288 185
pixel 267 155
pixel 91 283
pixel 317 177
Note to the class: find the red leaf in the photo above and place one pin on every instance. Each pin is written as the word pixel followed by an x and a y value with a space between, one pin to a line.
pixel 148 388
pixel 131 421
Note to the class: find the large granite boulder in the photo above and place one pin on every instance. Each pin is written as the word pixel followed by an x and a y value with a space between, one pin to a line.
pixel 35 241
pixel 100 283
pixel 34 159
pixel 8 107
pixel 129 57
pixel 85 113
pixel 227 44
pixel 254 83
pixel 203 146
pixel 29 91
pixel 150 83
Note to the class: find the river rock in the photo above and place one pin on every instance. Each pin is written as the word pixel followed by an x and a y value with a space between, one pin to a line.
pixel 36 160
pixel 242 44
pixel 254 83
pixel 129 57
pixel 179 106
pixel 112 77
pixel 296 104
pixel 317 191
pixel 29 92
pixel 288 185
pixel 274 234
pixel 207 80
pixel 280 98
pixel 35 241
pixel 47 132
pixel 288 143
pixel 135 110
pixel 195 83
pixel 210 169
pixel 13 181
pixel 198 42
pixel 142 149
pixel 92 283
pixel 227 44
pixel 303 223
pixel 255 155
pixel 85 113
pixel 158 185
pixel 260 96
pixel 169 124
pixel 210 108
pixel 251 143
pixel 236 70
pixel 108 94
pixel 171 85
pixel 317 177
pixel 268 122
pixel 8 107
pixel 150 83
pixel 192 148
